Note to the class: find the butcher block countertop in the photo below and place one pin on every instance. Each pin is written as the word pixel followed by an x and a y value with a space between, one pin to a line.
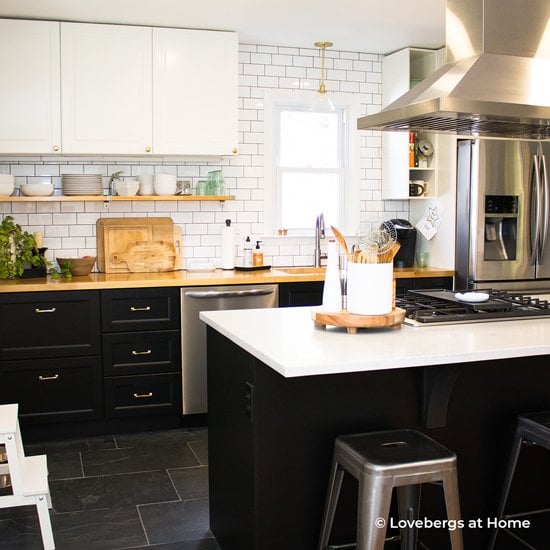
pixel 194 278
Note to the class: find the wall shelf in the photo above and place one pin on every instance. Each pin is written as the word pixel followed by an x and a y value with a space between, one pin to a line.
pixel 108 198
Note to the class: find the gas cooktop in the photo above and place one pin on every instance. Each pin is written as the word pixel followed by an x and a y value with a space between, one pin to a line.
pixel 439 307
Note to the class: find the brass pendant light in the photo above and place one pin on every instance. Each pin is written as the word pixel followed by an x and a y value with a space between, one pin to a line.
pixel 322 102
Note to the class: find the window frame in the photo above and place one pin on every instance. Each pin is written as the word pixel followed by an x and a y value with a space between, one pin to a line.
pixel 349 206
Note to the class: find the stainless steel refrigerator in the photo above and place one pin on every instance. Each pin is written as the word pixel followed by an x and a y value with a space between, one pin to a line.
pixel 503 208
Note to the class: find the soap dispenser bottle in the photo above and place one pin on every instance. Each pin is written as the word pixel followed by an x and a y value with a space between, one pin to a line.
pixel 247 252
pixel 258 255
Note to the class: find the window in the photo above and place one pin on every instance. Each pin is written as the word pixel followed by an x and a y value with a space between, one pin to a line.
pixel 311 169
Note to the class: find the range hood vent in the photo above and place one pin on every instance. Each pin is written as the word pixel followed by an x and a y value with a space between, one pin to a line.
pixel 496 82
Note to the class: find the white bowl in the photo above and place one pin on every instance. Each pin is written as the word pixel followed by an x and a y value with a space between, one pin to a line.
pixel 6 184
pixel 37 189
pixel 127 188
pixel 165 184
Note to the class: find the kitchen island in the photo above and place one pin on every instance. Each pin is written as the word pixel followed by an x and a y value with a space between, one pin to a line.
pixel 281 390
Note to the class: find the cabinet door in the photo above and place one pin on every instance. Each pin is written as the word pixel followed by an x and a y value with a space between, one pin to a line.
pixel 195 92
pixel 106 88
pixel 140 309
pixel 29 93
pixel 53 389
pixel 49 324
pixel 141 352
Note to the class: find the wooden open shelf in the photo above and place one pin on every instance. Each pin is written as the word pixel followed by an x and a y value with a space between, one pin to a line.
pixel 108 198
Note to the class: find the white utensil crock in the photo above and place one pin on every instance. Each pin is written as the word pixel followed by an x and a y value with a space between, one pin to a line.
pixel 370 288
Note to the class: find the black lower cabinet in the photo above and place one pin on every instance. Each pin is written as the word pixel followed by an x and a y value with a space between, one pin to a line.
pixel 271 441
pixel 301 294
pixel 141 395
pixel 58 389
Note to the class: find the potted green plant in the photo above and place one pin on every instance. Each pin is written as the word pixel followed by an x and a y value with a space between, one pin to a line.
pixel 19 255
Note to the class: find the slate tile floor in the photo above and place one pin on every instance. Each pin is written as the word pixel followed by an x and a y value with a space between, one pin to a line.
pixel 142 490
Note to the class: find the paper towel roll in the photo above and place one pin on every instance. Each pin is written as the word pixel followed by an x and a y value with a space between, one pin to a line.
pixel 228 246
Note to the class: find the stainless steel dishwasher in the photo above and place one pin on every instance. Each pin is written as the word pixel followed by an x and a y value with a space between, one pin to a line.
pixel 193 331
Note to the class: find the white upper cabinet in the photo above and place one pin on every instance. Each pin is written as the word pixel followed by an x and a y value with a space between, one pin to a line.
pixel 195 92
pixel 401 71
pixel 29 89
pixel 106 89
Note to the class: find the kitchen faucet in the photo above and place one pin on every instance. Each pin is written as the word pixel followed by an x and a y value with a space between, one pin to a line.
pixel 319 234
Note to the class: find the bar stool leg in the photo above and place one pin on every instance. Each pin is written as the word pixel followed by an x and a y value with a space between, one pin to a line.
pixel 333 492
pixel 512 463
pixel 452 503
pixel 373 511
pixel 408 504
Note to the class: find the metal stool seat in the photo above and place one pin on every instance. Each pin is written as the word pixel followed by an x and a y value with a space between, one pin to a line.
pixel 531 429
pixel 381 461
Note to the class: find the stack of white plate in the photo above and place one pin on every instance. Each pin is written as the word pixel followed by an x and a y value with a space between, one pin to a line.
pixel 82 184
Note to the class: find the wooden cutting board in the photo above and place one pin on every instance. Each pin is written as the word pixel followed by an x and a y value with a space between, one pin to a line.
pixel 147 257
pixel 116 236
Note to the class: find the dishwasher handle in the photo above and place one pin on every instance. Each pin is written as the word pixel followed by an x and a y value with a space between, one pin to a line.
pixel 205 294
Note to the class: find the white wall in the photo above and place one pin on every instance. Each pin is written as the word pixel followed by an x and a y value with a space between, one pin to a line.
pixel 69 227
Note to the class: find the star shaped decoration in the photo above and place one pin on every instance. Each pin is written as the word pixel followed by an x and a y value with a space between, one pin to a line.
pixel 433 215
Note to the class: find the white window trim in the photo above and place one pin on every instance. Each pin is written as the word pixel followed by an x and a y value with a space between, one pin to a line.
pixel 352 104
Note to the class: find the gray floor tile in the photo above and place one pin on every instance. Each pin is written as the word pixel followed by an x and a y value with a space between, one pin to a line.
pixel 93 493
pixel 190 482
pixel 95 443
pixel 176 521
pixel 203 544
pixel 200 449
pixel 167 437
pixel 145 457
pixel 21 532
pixel 64 465
pixel 98 529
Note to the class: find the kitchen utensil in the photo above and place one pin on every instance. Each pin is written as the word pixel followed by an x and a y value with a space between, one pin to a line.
pixel 37 189
pixel 165 184
pixel 116 235
pixel 341 241
pixel 148 257
pixel 370 288
pixel 354 322
pixel 127 188
pixel 79 266
pixel 146 184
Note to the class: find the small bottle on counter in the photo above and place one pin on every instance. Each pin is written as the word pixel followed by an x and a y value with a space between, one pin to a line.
pixel 247 253
pixel 228 246
pixel 258 255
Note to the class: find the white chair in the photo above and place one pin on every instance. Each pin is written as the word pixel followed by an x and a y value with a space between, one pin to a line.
pixel 28 474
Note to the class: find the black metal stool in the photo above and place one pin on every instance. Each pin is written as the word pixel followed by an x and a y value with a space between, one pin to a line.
pixel 531 429
pixel 381 461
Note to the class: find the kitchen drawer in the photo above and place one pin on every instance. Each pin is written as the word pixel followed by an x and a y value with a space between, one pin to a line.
pixel 49 324
pixel 140 309
pixel 141 352
pixel 53 389
pixel 147 394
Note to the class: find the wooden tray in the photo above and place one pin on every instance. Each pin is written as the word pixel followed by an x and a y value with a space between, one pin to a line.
pixel 352 322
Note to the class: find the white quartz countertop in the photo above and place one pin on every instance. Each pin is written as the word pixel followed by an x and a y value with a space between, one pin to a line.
pixel 287 340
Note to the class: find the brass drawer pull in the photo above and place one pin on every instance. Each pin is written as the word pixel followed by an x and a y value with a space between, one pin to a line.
pixel 147 352
pixel 45 378
pixel 146 308
pixel 38 310
pixel 143 395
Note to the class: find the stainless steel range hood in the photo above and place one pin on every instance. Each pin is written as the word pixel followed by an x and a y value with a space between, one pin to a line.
pixel 496 81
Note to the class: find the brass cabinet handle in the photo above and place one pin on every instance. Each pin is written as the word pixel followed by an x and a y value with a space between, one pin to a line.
pixel 143 395
pixel 234 150
pixel 45 378
pixel 38 310
pixel 146 308
pixel 56 147
pixel 147 352
pixel 147 149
